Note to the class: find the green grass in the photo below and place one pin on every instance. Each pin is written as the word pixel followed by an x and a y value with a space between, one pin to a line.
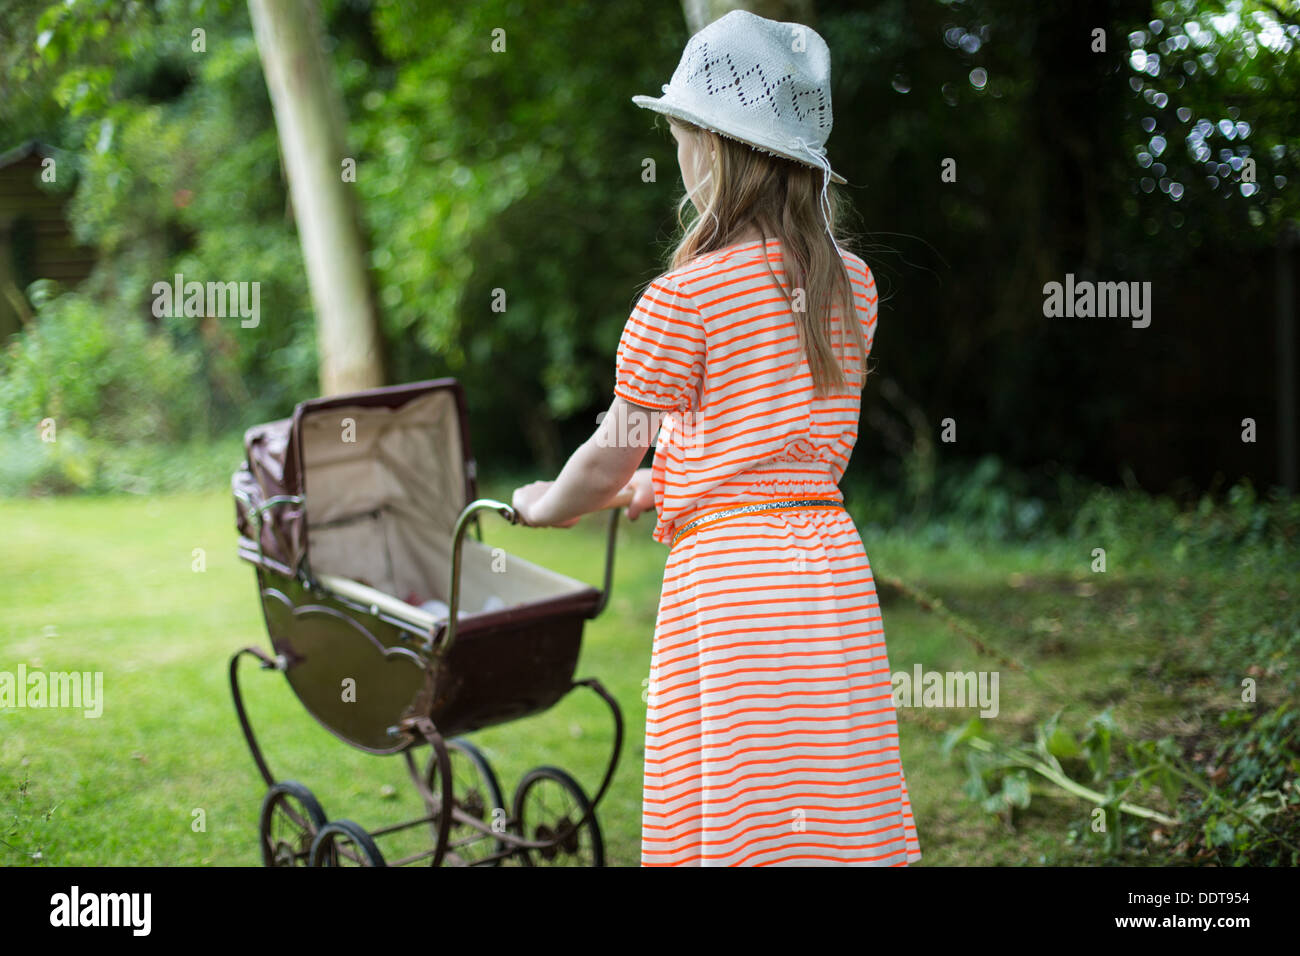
pixel 108 584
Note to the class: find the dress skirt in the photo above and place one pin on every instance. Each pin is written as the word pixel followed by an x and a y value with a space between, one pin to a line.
pixel 771 734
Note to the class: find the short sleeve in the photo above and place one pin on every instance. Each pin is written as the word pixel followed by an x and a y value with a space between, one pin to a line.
pixel 867 299
pixel 660 361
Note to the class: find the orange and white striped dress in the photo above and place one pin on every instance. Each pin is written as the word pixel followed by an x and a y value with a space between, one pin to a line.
pixel 771 734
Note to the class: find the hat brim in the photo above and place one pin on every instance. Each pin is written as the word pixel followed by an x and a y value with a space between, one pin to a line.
pixel 662 105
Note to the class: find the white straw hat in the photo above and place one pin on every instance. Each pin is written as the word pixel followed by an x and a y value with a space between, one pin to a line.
pixel 764 83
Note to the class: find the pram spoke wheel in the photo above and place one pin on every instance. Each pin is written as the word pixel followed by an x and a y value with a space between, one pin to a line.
pixel 549 807
pixel 476 793
pixel 344 843
pixel 289 822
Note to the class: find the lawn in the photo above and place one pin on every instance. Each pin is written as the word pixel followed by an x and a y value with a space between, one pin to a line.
pixel 149 591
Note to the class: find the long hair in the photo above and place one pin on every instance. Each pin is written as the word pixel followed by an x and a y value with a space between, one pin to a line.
pixel 747 187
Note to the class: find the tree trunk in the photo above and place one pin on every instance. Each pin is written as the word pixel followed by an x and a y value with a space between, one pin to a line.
pixel 309 119
pixel 700 13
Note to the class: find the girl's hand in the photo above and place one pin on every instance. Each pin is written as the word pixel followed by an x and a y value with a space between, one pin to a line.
pixel 529 503
pixel 643 494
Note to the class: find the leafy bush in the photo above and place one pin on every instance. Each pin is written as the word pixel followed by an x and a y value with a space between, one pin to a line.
pixel 76 464
pixel 1242 522
pixel 987 500
pixel 982 500
pixel 90 400
pixel 102 371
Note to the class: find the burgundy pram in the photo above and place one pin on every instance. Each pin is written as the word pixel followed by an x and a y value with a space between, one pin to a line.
pixel 396 629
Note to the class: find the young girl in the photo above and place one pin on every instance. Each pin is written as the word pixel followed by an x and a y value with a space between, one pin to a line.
pixel 771 734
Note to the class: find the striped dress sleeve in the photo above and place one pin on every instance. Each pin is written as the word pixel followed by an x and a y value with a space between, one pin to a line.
pixel 660 361
pixel 863 283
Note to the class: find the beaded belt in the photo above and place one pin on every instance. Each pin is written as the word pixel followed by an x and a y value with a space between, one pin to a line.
pixel 783 504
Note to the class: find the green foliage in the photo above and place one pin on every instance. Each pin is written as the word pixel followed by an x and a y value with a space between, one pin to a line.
pixel 475 171
pixel 998 774
pixel 99 372
pixel 80 464
pixel 1232 791
pixel 981 500
pixel 20 832
pixel 191 184
pixel 1254 823
pixel 989 501
pixel 1193 141
pixel 93 399
pixel 512 170
pixel 520 170
pixel 1261 770
pixel 1189 534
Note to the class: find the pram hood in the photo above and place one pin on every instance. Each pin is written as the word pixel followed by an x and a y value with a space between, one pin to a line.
pixel 401 452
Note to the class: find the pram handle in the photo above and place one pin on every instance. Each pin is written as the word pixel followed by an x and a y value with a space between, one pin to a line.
pixel 622 499
pixel 257 514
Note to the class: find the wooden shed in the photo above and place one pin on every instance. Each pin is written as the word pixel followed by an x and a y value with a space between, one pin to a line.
pixel 36 239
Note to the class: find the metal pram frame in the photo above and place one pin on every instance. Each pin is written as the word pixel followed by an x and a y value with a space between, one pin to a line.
pixel 428 679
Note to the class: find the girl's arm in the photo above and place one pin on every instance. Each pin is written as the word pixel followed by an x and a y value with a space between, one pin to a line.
pixel 596 472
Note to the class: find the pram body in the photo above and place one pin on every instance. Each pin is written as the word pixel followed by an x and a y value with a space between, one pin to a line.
pixel 354 512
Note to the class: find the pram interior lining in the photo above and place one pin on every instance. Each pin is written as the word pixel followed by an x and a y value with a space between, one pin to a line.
pixel 384 487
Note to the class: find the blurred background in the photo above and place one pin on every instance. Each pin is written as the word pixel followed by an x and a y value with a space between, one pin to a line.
pixel 478 170
pixel 1115 141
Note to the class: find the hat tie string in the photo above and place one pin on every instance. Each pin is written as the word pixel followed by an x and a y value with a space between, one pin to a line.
pixel 817 155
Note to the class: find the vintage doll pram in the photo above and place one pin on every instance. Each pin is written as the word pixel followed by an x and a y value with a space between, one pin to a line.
pixel 396 629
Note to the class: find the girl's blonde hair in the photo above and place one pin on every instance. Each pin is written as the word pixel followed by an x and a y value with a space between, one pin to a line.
pixel 782 199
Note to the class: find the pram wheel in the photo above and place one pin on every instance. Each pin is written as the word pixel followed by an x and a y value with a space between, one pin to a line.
pixel 289 822
pixel 344 843
pixel 548 804
pixel 477 793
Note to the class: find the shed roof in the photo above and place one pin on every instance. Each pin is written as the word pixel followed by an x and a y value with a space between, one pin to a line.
pixel 33 147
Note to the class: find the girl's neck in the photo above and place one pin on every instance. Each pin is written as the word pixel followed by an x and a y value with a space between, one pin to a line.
pixel 748 238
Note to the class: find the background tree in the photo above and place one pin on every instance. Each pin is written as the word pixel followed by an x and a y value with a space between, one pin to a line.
pixel 310 121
